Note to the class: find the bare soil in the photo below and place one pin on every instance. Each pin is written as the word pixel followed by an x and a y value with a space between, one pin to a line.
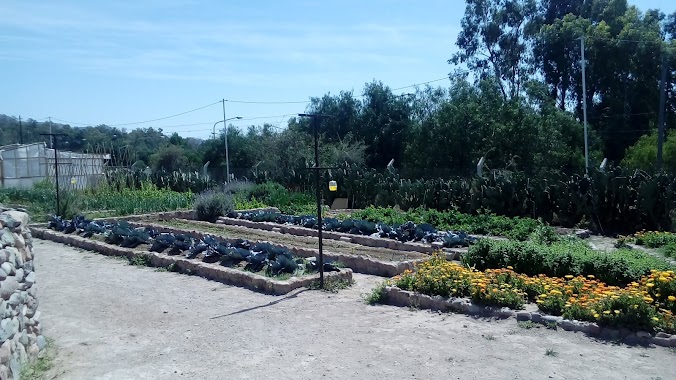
pixel 110 320
pixel 336 246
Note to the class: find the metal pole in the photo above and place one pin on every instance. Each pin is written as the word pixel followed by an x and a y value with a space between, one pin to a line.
pixel 227 159
pixel 584 106
pixel 319 203
pixel 51 136
pixel 56 176
pixel 660 122
pixel 20 131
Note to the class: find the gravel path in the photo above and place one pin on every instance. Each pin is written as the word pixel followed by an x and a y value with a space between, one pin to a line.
pixel 110 320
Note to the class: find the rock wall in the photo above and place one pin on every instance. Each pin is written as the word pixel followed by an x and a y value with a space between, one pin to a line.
pixel 20 337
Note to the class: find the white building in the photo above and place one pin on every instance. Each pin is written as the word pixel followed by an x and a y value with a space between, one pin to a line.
pixel 22 166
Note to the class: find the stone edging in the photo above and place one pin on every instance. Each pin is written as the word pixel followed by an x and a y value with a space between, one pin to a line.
pixel 359 264
pixel 398 297
pixel 209 271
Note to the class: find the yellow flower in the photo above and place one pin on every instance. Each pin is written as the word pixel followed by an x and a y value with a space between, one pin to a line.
pixel 671 298
pixel 655 319
pixel 569 276
pixel 590 276
pixel 596 315
pixel 617 312
pixel 606 312
pixel 510 267
pixel 650 285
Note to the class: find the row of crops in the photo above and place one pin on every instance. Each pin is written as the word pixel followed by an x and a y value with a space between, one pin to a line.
pixel 405 232
pixel 262 257
pixel 613 201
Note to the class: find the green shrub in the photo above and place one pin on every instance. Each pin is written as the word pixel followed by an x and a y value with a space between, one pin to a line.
pixel 669 250
pixel 655 239
pixel 570 257
pixel 212 204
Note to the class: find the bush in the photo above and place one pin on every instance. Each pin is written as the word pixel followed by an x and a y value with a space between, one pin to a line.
pixel 571 257
pixel 212 204
pixel 655 239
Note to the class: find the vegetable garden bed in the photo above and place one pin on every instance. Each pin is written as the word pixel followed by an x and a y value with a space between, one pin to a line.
pixel 208 270
pixel 360 263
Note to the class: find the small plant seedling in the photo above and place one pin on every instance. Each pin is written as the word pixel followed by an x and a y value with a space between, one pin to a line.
pixel 552 326
pixel 489 337
pixel 526 324
pixel 551 352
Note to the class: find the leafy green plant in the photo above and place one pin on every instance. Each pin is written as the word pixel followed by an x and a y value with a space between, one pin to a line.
pixel 141 260
pixel 377 295
pixel 551 352
pixel 526 325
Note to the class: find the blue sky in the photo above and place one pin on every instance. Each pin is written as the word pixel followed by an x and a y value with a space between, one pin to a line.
pixel 117 62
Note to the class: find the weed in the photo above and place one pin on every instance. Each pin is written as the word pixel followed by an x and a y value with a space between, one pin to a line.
pixel 37 369
pixel 552 326
pixel 332 285
pixel 551 352
pixel 488 337
pixel 377 295
pixel 526 324
pixel 140 260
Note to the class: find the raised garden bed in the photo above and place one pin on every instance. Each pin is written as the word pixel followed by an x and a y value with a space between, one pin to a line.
pixel 211 271
pixel 358 263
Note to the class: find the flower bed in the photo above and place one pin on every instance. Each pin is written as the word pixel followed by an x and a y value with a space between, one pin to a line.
pixel 648 304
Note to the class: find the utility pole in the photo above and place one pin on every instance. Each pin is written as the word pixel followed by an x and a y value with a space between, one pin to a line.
pixel 225 137
pixel 583 62
pixel 315 126
pixel 51 136
pixel 660 121
pixel 56 169
pixel 20 131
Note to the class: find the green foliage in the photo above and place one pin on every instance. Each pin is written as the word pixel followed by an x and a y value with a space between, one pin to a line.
pixel 615 200
pixel 213 204
pixel 643 154
pixel 276 195
pixel 141 260
pixel 563 258
pixel 332 285
pixel 377 295
pixel 669 250
pixel 655 239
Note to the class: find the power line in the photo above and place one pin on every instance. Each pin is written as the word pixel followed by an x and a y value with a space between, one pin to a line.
pixel 142 122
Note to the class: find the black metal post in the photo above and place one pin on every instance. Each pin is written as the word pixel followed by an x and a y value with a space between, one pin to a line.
pixel 56 169
pixel 319 203
pixel 20 131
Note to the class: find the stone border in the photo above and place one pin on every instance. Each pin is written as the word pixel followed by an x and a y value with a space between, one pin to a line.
pixel 209 271
pixel 398 297
pixel 359 264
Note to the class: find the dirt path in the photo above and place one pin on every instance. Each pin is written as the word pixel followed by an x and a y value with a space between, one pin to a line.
pixel 110 320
